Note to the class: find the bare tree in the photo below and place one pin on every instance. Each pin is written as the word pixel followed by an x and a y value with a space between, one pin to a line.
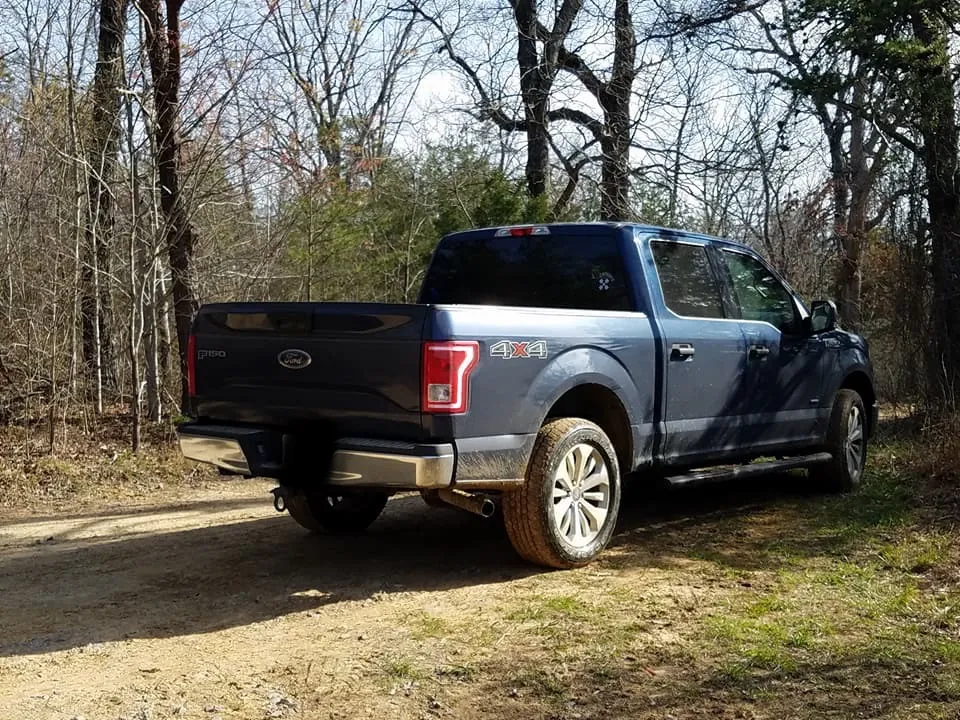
pixel 348 63
pixel 856 148
pixel 101 165
pixel 537 70
pixel 163 48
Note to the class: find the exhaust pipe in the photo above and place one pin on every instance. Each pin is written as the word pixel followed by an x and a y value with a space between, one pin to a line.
pixel 476 504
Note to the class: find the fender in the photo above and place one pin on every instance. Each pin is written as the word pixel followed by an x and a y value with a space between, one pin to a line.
pixel 851 357
pixel 594 366
pixel 851 360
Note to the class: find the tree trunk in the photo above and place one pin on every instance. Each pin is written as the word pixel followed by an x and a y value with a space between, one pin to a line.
pixel 163 50
pixel 846 278
pixel 944 205
pixel 615 167
pixel 941 148
pixel 152 347
pixel 853 240
pixel 165 341
pixel 535 94
pixel 96 304
pixel 134 333
pixel 857 180
pixel 615 100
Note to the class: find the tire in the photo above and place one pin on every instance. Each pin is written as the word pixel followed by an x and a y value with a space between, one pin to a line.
pixel 847 443
pixel 540 531
pixel 336 514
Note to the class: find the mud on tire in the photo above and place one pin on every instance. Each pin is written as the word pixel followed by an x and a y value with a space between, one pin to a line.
pixel 566 511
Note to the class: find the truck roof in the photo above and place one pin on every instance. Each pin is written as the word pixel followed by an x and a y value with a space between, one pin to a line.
pixel 606 225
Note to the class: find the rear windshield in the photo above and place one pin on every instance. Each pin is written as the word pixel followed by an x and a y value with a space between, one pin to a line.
pixel 583 273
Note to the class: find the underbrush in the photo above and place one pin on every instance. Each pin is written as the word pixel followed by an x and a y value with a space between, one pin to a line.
pixel 928 453
pixel 91 456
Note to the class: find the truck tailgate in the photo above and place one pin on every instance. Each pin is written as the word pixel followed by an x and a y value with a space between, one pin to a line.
pixel 351 367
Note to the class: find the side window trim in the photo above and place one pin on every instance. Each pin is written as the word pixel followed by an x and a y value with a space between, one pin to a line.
pixel 728 295
pixel 713 271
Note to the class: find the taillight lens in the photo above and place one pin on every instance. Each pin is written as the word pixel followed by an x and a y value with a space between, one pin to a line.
pixel 192 366
pixel 446 376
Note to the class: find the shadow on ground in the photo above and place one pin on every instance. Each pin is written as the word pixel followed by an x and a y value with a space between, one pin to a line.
pixel 99 516
pixel 68 594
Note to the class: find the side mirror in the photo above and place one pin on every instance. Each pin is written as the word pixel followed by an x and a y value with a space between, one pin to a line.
pixel 823 316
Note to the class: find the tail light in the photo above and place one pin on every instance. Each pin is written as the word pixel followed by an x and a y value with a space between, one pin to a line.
pixel 446 376
pixel 192 366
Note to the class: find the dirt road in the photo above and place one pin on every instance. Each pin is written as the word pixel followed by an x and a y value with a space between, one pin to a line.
pixel 203 608
pixel 176 609
pixel 216 606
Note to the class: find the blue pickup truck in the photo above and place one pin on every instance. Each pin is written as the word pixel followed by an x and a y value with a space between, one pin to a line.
pixel 540 366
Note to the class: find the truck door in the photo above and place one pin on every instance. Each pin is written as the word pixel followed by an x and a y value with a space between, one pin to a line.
pixel 785 363
pixel 705 357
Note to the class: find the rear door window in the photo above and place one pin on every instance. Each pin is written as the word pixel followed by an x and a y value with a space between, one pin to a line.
pixel 690 287
pixel 549 271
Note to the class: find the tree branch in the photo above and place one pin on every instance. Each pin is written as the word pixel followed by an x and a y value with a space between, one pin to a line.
pixel 489 110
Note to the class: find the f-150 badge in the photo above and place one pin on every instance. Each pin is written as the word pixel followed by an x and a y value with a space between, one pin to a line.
pixel 512 349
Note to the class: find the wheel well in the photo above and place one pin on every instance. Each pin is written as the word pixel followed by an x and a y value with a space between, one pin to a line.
pixel 860 383
pixel 600 405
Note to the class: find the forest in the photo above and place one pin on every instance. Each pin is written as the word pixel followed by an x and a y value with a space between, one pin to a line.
pixel 159 155
pixel 156 155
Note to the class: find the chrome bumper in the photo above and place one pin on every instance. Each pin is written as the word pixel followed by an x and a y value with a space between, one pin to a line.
pixel 371 468
pixel 224 453
pixel 356 462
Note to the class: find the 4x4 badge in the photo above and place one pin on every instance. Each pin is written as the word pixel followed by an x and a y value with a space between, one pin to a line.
pixel 512 349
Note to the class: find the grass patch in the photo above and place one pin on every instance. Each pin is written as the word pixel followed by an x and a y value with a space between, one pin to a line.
pixel 916 553
pixel 554 607
pixel 767 605
pixel 91 463
pixel 854 602
pixel 425 626
pixel 544 684
pixel 461 673
pixel 401 669
pixel 883 502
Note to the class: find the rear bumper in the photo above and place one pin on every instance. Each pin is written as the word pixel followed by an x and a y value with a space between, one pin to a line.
pixel 355 462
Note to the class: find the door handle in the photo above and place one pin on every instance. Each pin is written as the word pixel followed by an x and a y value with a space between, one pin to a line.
pixel 682 351
pixel 759 351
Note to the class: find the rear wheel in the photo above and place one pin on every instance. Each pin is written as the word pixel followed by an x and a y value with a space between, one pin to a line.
pixel 846 442
pixel 432 498
pixel 347 513
pixel 566 511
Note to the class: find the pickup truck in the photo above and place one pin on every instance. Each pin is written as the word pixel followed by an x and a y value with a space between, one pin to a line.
pixel 540 366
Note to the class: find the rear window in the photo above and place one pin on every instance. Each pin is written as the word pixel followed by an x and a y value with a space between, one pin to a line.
pixel 582 273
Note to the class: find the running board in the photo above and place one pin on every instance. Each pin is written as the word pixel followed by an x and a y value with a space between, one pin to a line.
pixel 741 471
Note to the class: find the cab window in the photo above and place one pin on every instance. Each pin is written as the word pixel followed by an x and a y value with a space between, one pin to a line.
pixel 690 287
pixel 758 294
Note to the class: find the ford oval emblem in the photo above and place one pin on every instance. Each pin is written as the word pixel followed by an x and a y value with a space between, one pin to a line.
pixel 294 359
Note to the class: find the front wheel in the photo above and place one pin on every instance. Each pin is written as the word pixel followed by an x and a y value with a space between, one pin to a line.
pixel 337 514
pixel 846 442
pixel 566 511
